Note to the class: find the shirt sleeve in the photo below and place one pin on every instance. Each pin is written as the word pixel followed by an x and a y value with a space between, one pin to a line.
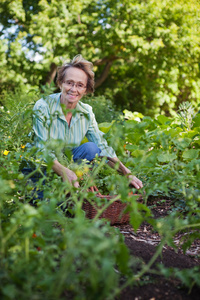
pixel 41 126
pixel 96 136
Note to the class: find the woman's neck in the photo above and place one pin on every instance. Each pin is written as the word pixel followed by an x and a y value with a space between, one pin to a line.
pixel 67 104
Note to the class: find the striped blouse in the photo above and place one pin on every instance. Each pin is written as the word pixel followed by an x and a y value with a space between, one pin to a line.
pixel 49 124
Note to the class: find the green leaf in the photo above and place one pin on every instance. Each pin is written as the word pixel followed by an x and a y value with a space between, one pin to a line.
pixel 135 219
pixel 131 147
pixel 123 258
pixel 105 127
pixel 9 291
pixel 182 143
pixel 138 153
pixel 167 157
pixel 163 120
pixel 85 140
pixel 196 121
pixel 132 115
pixel 190 154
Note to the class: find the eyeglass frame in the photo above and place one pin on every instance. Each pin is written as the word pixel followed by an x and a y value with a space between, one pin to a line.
pixel 67 82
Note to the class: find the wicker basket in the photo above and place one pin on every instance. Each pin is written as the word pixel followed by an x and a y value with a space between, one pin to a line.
pixel 114 213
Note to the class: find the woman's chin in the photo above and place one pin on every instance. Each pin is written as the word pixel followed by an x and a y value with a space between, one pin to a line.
pixel 72 102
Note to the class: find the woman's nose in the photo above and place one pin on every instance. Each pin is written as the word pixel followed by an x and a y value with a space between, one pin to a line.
pixel 74 87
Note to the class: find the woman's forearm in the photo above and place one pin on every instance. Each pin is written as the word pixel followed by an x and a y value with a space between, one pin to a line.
pixel 137 183
pixel 122 169
pixel 65 173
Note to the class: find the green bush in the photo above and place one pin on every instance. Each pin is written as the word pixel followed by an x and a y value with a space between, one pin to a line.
pixel 45 255
pixel 103 108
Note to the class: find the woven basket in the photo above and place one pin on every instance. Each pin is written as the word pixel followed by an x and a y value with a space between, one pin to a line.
pixel 114 213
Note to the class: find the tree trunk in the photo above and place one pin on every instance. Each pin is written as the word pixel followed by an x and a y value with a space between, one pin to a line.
pixel 52 73
pixel 108 61
pixel 104 74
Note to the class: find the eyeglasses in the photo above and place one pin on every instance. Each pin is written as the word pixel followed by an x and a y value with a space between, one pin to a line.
pixel 70 84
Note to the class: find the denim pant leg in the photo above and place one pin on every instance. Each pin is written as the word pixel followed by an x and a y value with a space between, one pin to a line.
pixel 86 151
pixel 34 178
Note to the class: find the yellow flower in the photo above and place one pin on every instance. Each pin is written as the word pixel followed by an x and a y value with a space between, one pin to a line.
pixel 86 169
pixel 79 173
pixel 6 152
pixel 23 146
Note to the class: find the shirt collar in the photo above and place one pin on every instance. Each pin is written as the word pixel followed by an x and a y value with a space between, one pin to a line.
pixel 79 108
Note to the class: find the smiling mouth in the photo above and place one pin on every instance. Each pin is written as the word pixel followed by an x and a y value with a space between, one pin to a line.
pixel 70 94
pixel 73 95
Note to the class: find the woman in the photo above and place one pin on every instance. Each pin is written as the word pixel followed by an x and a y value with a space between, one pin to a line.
pixel 64 117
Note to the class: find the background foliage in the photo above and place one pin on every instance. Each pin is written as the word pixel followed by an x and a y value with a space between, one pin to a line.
pixel 145 53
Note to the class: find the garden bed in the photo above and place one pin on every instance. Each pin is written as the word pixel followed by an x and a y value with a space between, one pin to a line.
pixel 142 244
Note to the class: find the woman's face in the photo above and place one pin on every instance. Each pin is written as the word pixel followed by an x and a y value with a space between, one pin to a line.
pixel 74 86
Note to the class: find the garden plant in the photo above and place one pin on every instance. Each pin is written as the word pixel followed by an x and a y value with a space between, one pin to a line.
pixel 49 249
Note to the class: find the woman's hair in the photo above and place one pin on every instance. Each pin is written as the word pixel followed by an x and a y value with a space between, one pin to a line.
pixel 80 63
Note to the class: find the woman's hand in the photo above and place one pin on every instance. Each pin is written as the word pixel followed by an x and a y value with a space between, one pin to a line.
pixel 65 173
pixel 71 177
pixel 137 183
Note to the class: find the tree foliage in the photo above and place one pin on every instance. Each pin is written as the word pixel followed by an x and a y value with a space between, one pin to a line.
pixel 146 53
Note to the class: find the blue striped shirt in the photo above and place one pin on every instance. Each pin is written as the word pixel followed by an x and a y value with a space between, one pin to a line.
pixel 49 124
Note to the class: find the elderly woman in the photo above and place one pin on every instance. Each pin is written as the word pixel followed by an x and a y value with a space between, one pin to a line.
pixel 63 116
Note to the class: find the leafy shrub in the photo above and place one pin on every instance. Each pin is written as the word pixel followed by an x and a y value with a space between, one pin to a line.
pixel 44 255
pixel 103 108
pixel 163 148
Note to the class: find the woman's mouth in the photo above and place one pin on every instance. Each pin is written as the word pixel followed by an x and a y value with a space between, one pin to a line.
pixel 72 95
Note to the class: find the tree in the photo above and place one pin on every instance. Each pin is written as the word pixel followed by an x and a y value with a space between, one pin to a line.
pixel 146 53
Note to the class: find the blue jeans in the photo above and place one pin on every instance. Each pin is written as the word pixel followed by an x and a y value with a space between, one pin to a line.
pixel 85 151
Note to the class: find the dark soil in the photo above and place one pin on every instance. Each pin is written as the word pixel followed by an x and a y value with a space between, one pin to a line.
pixel 143 245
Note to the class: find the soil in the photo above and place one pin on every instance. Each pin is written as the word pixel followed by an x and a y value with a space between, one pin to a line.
pixel 142 244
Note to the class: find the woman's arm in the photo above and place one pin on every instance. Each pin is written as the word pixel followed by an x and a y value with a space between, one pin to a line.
pixel 96 136
pixel 137 183
pixel 65 173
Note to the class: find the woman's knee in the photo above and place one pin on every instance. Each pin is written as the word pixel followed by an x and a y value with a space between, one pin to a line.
pixel 92 149
pixel 86 151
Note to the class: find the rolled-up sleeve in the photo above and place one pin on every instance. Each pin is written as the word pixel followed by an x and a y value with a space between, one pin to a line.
pixel 41 125
pixel 95 135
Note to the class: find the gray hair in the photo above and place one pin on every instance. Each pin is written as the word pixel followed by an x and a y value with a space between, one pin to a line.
pixel 80 63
